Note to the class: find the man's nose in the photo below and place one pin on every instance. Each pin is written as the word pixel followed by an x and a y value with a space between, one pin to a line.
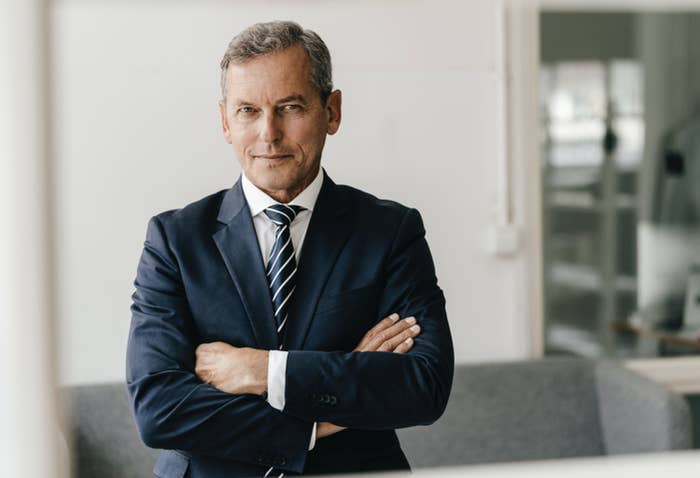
pixel 270 130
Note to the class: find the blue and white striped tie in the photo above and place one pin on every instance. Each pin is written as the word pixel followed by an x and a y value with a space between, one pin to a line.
pixel 282 266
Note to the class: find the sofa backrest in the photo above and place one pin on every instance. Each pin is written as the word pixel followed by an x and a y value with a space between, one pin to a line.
pixel 549 408
pixel 103 436
pixel 497 412
pixel 510 412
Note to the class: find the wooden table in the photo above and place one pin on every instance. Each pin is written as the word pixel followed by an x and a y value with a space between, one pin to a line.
pixel 669 333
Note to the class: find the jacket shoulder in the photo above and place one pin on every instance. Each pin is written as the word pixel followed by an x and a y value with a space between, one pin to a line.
pixel 204 207
pixel 367 204
pixel 195 214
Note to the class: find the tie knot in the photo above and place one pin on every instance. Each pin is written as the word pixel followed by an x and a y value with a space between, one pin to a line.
pixel 282 214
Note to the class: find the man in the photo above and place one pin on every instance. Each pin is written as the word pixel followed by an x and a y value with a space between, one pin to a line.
pixel 247 357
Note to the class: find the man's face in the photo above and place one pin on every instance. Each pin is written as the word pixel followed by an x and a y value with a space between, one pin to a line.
pixel 275 120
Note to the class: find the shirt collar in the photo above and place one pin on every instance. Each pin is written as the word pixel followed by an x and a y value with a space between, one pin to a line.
pixel 258 200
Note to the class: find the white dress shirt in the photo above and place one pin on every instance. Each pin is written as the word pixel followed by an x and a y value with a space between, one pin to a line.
pixel 258 201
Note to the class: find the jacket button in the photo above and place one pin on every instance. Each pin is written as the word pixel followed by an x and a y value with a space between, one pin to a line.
pixel 333 400
pixel 281 461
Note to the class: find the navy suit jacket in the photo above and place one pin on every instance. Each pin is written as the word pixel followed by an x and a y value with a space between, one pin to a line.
pixel 201 279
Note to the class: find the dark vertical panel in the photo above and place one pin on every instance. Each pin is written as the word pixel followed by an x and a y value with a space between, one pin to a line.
pixel 587 36
pixel 694 401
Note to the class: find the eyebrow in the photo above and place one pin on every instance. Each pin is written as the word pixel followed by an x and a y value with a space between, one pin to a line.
pixel 287 99
pixel 290 98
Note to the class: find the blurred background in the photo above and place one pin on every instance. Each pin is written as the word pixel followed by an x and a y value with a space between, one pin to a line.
pixel 551 150
pixel 620 99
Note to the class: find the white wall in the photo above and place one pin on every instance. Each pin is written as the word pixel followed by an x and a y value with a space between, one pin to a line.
pixel 137 132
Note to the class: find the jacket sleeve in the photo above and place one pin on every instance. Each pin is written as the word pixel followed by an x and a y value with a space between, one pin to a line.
pixel 172 407
pixel 384 390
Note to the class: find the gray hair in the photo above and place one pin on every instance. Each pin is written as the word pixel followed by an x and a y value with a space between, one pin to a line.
pixel 263 38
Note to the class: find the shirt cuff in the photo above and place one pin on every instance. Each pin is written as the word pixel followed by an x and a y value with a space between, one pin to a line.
pixel 312 443
pixel 276 380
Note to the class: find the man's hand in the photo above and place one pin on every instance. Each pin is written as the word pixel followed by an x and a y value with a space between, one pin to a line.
pixel 232 369
pixel 389 335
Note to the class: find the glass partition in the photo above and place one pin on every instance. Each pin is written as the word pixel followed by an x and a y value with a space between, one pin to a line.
pixel 621 162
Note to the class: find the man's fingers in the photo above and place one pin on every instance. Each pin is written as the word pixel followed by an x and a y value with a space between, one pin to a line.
pixel 392 333
pixel 383 324
pixel 393 342
pixel 202 373
pixel 404 346
pixel 206 348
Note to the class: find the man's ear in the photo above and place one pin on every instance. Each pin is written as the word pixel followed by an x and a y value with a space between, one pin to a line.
pixel 224 121
pixel 333 110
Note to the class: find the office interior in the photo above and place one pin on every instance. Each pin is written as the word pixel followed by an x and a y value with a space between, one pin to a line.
pixel 551 148
pixel 620 234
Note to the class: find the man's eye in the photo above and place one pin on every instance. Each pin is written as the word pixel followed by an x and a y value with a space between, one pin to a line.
pixel 246 109
pixel 291 107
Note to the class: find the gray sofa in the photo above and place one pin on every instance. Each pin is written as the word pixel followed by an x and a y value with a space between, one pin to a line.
pixel 552 408
pixel 549 409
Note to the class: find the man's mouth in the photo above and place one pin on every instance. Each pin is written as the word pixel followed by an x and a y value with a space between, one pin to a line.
pixel 272 156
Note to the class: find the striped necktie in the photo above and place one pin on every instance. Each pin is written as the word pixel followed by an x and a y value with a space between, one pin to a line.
pixel 281 265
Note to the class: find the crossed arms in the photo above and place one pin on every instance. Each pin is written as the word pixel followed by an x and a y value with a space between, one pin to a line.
pixel 175 409
pixel 239 370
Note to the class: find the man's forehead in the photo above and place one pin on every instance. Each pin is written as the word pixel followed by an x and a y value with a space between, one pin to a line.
pixel 270 90
pixel 274 76
pixel 285 65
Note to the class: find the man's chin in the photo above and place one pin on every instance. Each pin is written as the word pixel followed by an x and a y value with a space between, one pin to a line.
pixel 269 181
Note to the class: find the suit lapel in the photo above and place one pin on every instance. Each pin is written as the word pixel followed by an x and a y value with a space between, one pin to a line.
pixel 238 245
pixel 329 229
